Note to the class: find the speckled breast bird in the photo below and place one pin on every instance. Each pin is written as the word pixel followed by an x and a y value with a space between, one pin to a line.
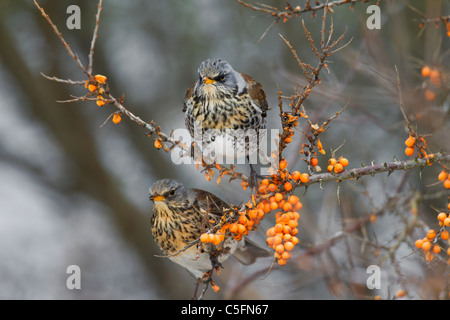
pixel 225 111
pixel 181 215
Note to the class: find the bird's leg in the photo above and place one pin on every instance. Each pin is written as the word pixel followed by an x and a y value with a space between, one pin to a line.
pixel 194 296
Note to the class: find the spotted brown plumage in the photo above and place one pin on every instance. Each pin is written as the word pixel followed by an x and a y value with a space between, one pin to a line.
pixel 225 108
pixel 181 215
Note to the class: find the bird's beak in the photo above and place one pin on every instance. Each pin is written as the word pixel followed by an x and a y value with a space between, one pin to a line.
pixel 155 197
pixel 208 80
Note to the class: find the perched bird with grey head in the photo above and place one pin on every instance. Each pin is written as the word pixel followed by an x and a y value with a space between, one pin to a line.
pixel 227 110
pixel 181 215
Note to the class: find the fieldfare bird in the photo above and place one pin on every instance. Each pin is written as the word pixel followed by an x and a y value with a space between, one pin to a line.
pixel 181 215
pixel 225 112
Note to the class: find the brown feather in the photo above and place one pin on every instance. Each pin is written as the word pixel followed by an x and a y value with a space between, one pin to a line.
pixel 256 92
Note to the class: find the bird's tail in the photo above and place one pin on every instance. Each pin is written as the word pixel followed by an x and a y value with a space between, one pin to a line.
pixel 248 252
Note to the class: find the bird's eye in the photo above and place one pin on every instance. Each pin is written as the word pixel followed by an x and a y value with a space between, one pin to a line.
pixel 172 192
pixel 220 77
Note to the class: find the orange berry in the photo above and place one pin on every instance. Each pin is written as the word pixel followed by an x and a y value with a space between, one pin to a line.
pixel 409 151
pixel 287 207
pixel 279 248
pixel 158 144
pixel 330 168
pixel 298 206
pixel 296 175
pixel 92 87
pixel 442 175
pixel 314 162
pixel 278 228
pixel 294 240
pixel 401 293
pixel 447 183
pixel 283 164
pixel 287 237
pixel 294 232
pixel 447 222
pixel 286 255
pixel 431 234
pixel 267 208
pixel 204 238
pixel 343 161
pixel 253 214
pixel 287 229
pixel 288 245
pixel 269 241
pixel 435 77
pixel 217 240
pixel 233 228
pixel 410 141
pixel 429 95
pixel 296 215
pixel 99 78
pixel 242 229
pixel 277 240
pixel 281 262
pixel 272 187
pixel 265 182
pixel 288 186
pixel 293 200
pixel 243 220
pixel 100 103
pixel 448 251
pixel 285 218
pixel 332 161
pixel 436 249
pixel 429 256
pixel 338 168
pixel 215 287
pixel 273 205
pixel 116 118
pixel 260 213
pixel 444 235
pixel 278 197
pixel 304 177
pixel 211 237
pixel 426 71
pixel 426 245
pixel 262 189
pixel 292 224
pixel 418 243
pixel 441 216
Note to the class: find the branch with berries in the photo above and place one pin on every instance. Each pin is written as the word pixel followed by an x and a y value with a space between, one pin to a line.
pixel 275 191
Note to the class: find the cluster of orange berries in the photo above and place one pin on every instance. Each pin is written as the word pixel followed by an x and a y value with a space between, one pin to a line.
pixel 412 142
pixel 282 237
pixel 246 221
pixel 445 178
pixel 337 166
pixel 435 78
pixel 98 86
pixel 429 243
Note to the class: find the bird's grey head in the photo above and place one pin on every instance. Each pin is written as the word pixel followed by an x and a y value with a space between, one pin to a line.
pixel 215 76
pixel 169 191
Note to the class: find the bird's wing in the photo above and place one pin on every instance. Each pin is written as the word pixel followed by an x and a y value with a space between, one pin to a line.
pixel 256 92
pixel 188 96
pixel 210 203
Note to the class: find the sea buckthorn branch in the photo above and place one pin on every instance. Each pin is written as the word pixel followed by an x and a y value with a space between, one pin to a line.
pixel 374 169
pixel 290 12
pixel 426 20
pixel 289 120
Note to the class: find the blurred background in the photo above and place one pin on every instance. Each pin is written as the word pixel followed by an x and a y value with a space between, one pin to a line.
pixel 75 193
